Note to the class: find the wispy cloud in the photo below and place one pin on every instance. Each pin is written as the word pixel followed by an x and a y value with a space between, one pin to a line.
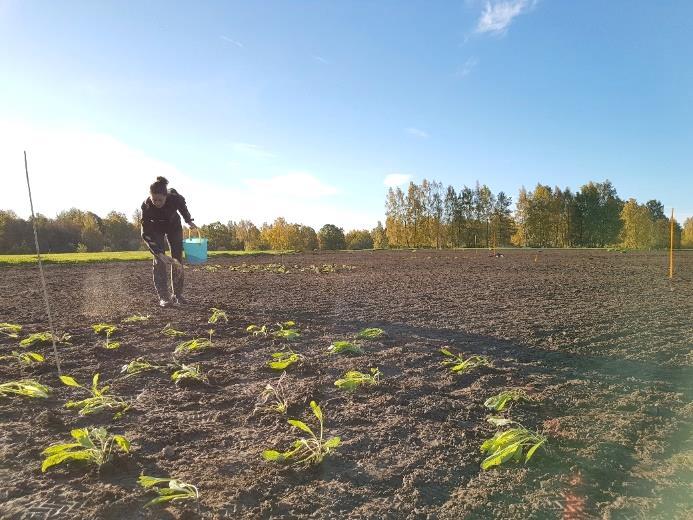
pixel 416 132
pixel 321 60
pixel 467 68
pixel 232 41
pixel 253 150
pixel 62 176
pixel 498 15
pixel 396 179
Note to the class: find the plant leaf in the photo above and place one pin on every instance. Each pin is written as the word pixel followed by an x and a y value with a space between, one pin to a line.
pixel 301 426
pixel 64 456
pixel 532 450
pixel 69 381
pixel 273 455
pixel 316 410
pixel 333 442
pixel 122 442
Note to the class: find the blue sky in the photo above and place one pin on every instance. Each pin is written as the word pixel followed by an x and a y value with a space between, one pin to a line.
pixel 308 108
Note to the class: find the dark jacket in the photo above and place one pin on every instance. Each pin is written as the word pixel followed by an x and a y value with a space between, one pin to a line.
pixel 164 219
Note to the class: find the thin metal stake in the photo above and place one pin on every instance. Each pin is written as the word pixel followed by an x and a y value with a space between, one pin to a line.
pixel 43 278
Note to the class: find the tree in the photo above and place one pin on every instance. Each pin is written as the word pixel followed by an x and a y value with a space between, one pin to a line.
pixel 91 236
pixel 277 235
pixel 395 221
pixel 466 218
pixel 501 221
pixel 637 225
pixel 656 210
pixel 452 217
pixel 359 239
pixel 16 234
pixel 379 235
pixel 119 234
pixel 414 214
pixel 330 237
pixel 307 239
pixel 219 237
pixel 248 234
pixel 687 234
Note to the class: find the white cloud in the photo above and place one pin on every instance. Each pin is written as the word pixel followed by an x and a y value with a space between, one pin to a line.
pixel 96 172
pixel 232 41
pixel 321 60
pixel 498 15
pixel 396 179
pixel 467 68
pixel 417 132
pixel 251 150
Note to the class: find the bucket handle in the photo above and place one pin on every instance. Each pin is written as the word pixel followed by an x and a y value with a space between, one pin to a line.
pixel 199 235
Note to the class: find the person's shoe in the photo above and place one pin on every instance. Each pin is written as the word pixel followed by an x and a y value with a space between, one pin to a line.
pixel 165 303
pixel 180 300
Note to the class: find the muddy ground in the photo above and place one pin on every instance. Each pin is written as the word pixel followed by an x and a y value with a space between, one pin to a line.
pixel 600 341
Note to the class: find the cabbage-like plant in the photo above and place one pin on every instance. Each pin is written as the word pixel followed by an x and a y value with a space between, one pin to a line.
pixel 174 489
pixel 511 445
pixel 93 446
pixel 309 450
pixel 99 399
pixel 24 388
pixel 353 379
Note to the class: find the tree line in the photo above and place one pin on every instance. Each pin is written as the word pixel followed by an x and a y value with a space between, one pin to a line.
pixel 83 231
pixel 425 215
pixel 429 215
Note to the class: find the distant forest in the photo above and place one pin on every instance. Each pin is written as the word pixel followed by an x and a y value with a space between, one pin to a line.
pixel 426 215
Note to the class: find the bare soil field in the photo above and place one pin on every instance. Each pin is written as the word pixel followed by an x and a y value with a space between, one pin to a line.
pixel 601 342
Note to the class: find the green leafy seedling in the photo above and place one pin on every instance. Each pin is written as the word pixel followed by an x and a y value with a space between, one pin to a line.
pixel 100 398
pixel 256 330
pixel 371 333
pixel 137 366
pixel 24 358
pixel 217 314
pixel 345 347
pixel 353 379
pixel 171 332
pixel 44 338
pixel 193 345
pixel 283 360
pixel 11 330
pixel 309 450
pixel 500 402
pixel 108 330
pixel 187 373
pixel 511 445
pixel 175 490
pixel 136 318
pixel 93 446
pixel 273 399
pixel 286 330
pixel 24 388
pixel 459 365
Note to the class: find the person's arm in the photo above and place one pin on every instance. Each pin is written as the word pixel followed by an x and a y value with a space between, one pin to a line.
pixel 146 229
pixel 183 210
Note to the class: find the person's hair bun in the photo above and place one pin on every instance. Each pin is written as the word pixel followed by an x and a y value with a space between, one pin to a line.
pixel 162 180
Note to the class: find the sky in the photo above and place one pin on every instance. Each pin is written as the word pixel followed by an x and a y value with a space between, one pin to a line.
pixel 310 110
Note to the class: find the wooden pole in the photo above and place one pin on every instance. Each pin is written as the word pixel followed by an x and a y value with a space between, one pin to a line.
pixel 671 245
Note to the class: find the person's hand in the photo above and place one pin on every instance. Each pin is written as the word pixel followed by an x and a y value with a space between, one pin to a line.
pixel 192 225
pixel 165 259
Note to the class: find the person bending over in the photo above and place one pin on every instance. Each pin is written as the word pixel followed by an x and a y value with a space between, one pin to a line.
pixel 161 223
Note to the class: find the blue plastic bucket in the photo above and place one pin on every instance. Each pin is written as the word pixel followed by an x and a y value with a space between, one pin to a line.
pixel 195 249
